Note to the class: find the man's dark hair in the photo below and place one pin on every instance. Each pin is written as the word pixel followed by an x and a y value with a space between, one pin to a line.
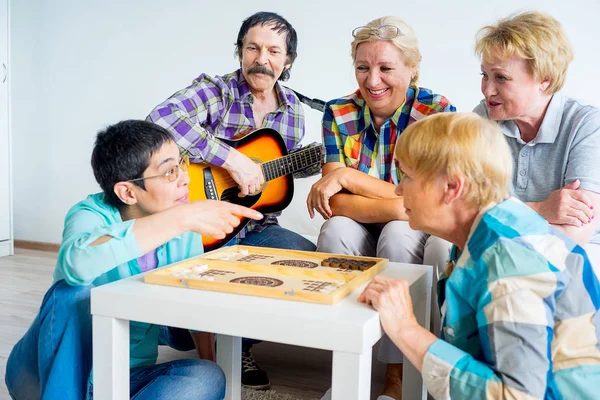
pixel 122 152
pixel 280 25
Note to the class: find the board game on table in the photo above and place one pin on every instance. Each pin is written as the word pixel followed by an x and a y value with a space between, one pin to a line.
pixel 284 274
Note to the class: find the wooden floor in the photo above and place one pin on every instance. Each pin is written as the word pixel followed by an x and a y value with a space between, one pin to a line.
pixel 25 277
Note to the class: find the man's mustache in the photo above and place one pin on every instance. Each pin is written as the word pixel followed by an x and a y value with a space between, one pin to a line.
pixel 261 69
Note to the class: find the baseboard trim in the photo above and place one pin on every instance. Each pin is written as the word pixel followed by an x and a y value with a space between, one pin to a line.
pixel 42 246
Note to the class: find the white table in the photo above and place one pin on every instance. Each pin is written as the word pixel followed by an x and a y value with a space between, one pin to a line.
pixel 348 328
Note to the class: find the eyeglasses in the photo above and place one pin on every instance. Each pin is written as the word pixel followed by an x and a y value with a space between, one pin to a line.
pixel 383 32
pixel 173 173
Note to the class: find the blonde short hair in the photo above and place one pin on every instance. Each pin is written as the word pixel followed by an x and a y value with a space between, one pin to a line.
pixel 406 41
pixel 535 36
pixel 462 144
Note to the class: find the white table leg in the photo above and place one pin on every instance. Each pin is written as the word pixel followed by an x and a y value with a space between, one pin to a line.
pixel 110 358
pixel 351 376
pixel 413 387
pixel 229 358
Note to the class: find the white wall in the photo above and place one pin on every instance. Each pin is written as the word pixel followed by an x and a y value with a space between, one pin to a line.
pixel 80 65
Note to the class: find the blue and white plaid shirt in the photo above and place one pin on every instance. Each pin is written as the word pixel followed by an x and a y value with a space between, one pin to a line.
pixel 521 314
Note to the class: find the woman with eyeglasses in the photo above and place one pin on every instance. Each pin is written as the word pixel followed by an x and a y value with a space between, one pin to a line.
pixel 356 193
pixel 142 220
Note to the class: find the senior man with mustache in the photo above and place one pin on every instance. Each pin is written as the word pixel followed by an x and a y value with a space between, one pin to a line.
pixel 230 106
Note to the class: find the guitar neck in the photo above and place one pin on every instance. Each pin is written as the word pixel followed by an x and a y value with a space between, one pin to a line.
pixel 291 163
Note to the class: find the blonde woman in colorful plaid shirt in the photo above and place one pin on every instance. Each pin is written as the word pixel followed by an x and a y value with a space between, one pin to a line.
pixel 520 301
pixel 356 194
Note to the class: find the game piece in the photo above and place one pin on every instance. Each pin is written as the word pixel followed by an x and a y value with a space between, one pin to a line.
pixel 328 289
pixel 199 268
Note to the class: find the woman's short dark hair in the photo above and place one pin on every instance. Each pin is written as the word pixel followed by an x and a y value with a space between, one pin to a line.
pixel 281 25
pixel 123 151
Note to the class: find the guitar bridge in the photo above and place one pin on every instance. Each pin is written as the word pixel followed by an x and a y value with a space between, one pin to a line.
pixel 210 189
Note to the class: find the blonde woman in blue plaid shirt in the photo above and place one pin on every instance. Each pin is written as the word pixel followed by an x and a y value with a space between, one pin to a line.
pixel 520 299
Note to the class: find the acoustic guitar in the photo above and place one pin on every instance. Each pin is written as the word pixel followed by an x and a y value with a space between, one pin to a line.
pixel 266 147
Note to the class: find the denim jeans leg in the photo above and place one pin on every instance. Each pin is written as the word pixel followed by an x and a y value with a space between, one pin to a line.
pixel 22 375
pixel 232 242
pixel 181 380
pixel 54 358
pixel 274 236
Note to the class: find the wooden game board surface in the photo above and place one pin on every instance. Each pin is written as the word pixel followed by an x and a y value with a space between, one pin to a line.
pixel 287 274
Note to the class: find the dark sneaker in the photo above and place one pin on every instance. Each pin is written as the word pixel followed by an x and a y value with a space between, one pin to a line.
pixel 252 376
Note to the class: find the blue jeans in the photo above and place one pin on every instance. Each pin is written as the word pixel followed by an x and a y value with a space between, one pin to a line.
pixel 54 358
pixel 273 236
pixel 180 379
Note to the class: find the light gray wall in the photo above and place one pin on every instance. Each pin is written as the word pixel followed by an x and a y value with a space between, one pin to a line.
pixel 80 65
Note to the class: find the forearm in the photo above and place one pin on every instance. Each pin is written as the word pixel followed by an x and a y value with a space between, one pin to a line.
pixel 86 254
pixel 205 345
pixel 357 182
pixel 367 210
pixel 234 160
pixel 157 229
pixel 579 234
pixel 534 205
pixel 413 341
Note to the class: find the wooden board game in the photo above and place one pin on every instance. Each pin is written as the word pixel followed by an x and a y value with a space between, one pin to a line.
pixel 284 274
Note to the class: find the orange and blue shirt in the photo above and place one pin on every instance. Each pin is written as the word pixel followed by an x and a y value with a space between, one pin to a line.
pixel 349 136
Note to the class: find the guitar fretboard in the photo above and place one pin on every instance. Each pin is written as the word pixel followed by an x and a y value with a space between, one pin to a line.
pixel 292 163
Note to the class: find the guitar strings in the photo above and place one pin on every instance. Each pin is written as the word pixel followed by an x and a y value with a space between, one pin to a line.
pixel 266 165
